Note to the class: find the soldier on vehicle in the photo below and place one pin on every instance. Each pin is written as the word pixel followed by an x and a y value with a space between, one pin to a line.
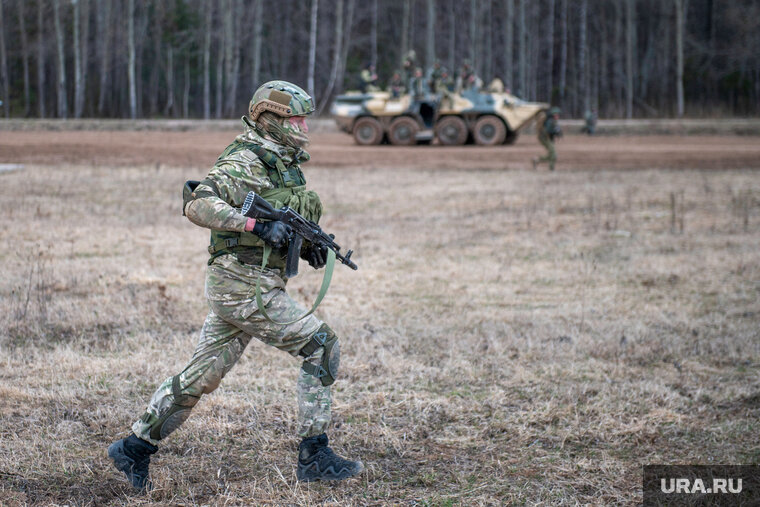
pixel 408 68
pixel 368 80
pixel 445 83
pixel 547 130
pixel 396 85
pixel 465 78
pixel 434 75
pixel 418 85
pixel 264 159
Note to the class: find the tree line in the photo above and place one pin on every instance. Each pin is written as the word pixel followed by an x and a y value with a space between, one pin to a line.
pixel 204 58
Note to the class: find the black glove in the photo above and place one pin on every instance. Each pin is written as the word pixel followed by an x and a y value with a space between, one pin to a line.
pixel 316 256
pixel 274 234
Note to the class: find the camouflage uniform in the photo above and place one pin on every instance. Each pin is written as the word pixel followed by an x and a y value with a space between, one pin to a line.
pixel 248 164
pixel 547 129
pixel 368 80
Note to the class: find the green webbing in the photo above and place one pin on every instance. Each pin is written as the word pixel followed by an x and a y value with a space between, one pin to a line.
pixel 322 290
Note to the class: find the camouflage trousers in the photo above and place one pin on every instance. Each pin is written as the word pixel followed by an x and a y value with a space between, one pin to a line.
pixel 551 153
pixel 233 319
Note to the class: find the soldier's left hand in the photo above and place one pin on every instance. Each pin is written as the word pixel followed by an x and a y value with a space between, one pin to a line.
pixel 316 256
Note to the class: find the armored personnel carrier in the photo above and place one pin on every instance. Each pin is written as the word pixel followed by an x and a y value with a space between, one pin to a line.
pixel 472 116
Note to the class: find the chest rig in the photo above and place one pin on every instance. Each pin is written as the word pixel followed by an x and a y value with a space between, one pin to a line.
pixel 288 189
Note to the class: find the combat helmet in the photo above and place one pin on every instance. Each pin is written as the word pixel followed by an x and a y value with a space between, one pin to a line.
pixel 281 98
pixel 554 110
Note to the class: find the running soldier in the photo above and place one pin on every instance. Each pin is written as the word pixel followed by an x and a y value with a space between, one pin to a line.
pixel 265 159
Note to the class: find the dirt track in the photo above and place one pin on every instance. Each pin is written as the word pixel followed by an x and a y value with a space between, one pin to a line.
pixel 200 149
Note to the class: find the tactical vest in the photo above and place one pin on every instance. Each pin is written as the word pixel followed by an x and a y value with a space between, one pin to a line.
pixel 289 190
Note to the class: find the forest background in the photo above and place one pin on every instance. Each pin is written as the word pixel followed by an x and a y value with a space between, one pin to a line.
pixel 203 58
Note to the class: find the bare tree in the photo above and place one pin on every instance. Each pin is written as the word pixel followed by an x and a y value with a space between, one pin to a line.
pixel 373 35
pixel 230 39
pixel 430 42
pixel 78 90
pixel 404 25
pixel 682 7
pixel 346 43
pixel 24 56
pixel 157 33
pixel 131 64
pixel 85 48
pixel 236 58
pixel 40 58
pixel 207 60
pixel 4 65
pixel 257 36
pixel 630 44
pixel 169 81
pixel 509 39
pixel 186 90
pixel 582 81
pixel 220 58
pixel 336 54
pixel 313 46
pixel 473 53
pixel 104 36
pixel 452 36
pixel 522 79
pixel 563 51
pixel 549 67
pixel 63 111
pixel 487 42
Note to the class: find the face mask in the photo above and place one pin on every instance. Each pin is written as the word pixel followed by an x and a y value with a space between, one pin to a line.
pixel 288 131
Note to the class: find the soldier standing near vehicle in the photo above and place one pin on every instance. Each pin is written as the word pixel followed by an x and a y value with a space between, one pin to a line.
pixel 547 129
pixel 589 126
pixel 264 159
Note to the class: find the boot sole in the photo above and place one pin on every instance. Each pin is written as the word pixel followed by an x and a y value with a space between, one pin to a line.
pixel 329 474
pixel 124 464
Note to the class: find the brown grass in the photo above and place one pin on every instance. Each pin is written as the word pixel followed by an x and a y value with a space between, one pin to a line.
pixel 510 337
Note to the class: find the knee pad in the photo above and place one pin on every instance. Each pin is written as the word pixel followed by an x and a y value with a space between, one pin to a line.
pixel 174 416
pixel 327 370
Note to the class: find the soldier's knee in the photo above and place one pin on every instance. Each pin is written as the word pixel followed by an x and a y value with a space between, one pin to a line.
pixel 326 369
pixel 174 416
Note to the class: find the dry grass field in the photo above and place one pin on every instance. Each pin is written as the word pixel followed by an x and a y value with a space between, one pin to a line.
pixel 510 337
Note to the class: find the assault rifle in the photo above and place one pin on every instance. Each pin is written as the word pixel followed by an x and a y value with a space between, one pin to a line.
pixel 301 229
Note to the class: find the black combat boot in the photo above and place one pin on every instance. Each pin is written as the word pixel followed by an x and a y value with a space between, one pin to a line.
pixel 317 462
pixel 131 455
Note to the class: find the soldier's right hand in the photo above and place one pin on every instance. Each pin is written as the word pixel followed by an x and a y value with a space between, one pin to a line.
pixel 274 233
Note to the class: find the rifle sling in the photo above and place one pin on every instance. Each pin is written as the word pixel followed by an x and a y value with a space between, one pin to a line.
pixel 322 290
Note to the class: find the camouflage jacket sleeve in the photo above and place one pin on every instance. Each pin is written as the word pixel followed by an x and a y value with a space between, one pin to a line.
pixel 224 189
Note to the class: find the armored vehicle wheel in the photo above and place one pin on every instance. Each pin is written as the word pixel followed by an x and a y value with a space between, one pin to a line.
pixel 368 131
pixel 489 131
pixel 451 131
pixel 403 131
pixel 511 137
